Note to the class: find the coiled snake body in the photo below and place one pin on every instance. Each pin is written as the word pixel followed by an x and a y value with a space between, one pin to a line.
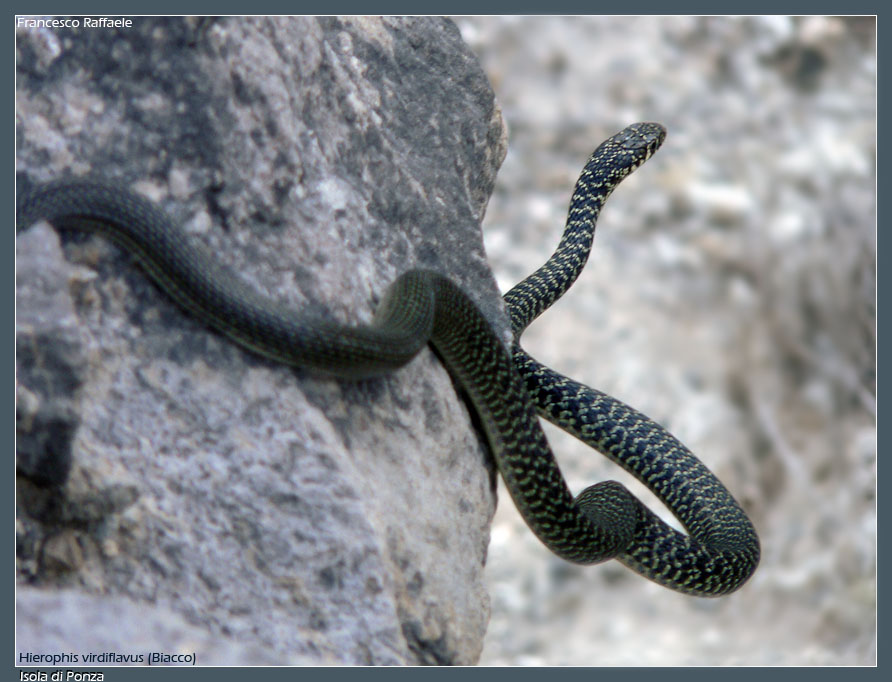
pixel 605 521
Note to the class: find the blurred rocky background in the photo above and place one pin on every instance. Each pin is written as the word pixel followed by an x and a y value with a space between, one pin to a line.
pixel 730 296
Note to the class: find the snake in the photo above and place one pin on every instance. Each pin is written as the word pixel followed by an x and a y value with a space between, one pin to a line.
pixel 506 388
pixel 721 549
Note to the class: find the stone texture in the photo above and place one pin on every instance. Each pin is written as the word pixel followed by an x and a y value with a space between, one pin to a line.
pixel 132 631
pixel 313 519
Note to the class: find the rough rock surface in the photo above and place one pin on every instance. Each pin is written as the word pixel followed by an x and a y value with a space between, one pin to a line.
pixel 122 632
pixel 314 519
pixel 730 295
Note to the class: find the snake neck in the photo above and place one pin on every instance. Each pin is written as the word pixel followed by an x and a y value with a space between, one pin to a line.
pixel 614 160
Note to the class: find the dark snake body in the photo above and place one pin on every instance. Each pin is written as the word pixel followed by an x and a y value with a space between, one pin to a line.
pixel 722 549
pixel 605 521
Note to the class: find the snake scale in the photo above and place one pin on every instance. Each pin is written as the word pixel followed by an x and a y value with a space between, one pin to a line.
pixel 508 389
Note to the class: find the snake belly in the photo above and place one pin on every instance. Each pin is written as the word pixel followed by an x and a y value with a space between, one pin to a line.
pixel 721 550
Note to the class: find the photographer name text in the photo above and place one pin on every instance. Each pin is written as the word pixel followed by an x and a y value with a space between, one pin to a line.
pixel 86 22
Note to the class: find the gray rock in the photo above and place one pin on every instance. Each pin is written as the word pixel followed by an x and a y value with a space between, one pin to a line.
pixel 118 631
pixel 51 357
pixel 314 519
